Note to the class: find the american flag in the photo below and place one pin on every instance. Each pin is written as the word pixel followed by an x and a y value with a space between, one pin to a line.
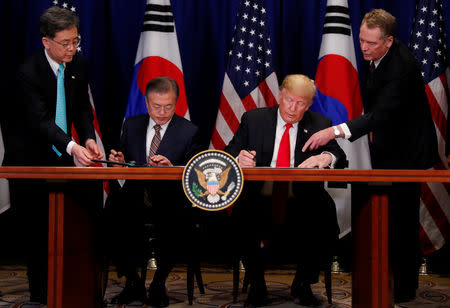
pixel 68 4
pixel 250 80
pixel 428 44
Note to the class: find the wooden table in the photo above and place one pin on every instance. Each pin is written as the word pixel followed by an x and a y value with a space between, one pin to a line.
pixel 371 278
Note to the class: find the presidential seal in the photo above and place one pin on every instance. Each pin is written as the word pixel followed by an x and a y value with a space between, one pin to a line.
pixel 212 180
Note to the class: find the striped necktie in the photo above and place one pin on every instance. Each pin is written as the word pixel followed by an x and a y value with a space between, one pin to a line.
pixel 155 141
pixel 60 115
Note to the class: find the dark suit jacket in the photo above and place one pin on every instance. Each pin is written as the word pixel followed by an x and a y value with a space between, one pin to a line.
pixel 397 112
pixel 179 143
pixel 31 125
pixel 312 208
pixel 257 132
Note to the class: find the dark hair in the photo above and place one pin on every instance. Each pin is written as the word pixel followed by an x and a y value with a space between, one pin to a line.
pixel 162 85
pixel 56 19
pixel 381 19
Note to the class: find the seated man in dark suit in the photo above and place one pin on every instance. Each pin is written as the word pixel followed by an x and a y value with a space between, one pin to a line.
pixel 159 138
pixel 274 137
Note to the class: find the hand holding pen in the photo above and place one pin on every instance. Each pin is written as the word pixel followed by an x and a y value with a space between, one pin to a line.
pixel 246 158
pixel 116 157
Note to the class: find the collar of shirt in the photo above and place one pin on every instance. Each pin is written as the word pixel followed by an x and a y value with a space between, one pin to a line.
pixel 151 133
pixel 279 134
pixel 53 64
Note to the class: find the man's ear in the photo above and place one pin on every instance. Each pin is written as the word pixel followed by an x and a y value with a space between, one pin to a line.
pixel 45 42
pixel 389 41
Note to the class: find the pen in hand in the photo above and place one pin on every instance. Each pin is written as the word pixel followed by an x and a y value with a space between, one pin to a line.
pixel 250 152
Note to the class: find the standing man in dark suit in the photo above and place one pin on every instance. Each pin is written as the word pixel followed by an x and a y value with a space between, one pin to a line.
pixel 401 133
pixel 274 137
pixel 39 135
pixel 159 138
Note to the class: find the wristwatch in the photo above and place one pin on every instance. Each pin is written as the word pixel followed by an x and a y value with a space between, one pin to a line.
pixel 337 133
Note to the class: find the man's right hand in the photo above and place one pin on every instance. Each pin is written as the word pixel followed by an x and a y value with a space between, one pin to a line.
pixel 117 157
pixel 82 155
pixel 319 138
pixel 246 158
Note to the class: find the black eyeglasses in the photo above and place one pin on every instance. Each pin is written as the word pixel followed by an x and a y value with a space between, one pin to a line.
pixel 75 43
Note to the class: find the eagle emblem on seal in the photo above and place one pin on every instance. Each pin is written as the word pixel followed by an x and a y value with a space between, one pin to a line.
pixel 213 180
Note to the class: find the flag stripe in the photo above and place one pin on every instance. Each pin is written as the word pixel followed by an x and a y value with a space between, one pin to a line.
pixel 228 114
pixel 436 111
pixel 337 30
pixel 231 96
pixel 337 9
pixel 337 20
pixel 426 246
pixel 434 209
pixel 249 103
pixel 161 18
pixel 267 93
pixel 217 141
pixel 158 8
pixel 440 194
pixel 157 28
pixel 431 233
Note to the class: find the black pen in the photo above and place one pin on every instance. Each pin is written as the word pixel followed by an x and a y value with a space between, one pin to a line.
pixel 249 151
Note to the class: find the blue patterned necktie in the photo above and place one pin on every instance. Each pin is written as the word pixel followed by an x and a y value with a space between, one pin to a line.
pixel 60 116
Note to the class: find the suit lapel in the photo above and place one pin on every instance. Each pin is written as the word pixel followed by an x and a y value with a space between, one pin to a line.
pixel 141 137
pixel 69 82
pixel 165 145
pixel 303 133
pixel 268 137
pixel 49 81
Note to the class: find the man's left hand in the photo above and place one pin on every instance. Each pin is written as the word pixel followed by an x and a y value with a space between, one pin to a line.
pixel 159 160
pixel 321 161
pixel 94 149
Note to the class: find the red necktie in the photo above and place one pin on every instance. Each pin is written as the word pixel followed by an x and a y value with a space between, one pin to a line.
pixel 281 189
pixel 284 152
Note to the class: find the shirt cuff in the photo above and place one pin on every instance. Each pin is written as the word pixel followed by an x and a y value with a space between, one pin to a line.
pixel 346 131
pixel 69 147
pixel 333 159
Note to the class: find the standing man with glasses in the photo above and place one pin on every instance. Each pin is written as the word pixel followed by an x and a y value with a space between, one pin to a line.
pixel 51 95
pixel 159 138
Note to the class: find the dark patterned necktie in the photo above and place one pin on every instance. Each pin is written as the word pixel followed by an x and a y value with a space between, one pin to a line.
pixel 372 67
pixel 155 141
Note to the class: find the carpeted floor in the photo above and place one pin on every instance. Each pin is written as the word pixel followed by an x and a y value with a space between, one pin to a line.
pixel 434 291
